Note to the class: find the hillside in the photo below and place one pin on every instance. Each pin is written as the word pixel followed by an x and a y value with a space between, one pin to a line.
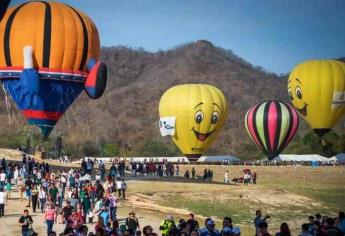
pixel 136 81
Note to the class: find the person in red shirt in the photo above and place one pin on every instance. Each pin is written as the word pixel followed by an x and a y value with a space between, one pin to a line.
pixel 76 218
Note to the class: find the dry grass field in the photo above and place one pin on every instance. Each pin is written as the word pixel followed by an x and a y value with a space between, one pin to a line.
pixel 288 194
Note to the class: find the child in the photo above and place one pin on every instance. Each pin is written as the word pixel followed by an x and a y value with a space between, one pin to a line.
pixel 90 216
pixel 8 190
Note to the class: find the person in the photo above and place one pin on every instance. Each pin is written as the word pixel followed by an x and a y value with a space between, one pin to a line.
pixel 50 217
pixel 254 178
pixel 67 211
pixel 259 219
pixel 132 223
pixel 118 187
pixel 8 190
pixel 226 177
pixel 229 229
pixel 34 198
pixel 210 229
pixel 2 202
pixel 105 215
pixel 305 231
pixel 2 178
pixel 123 189
pixel 21 187
pixel 147 230
pixel 28 194
pixel 311 224
pixel 42 196
pixel 193 173
pixel 341 225
pixel 331 229
pixel 26 222
pixel 317 229
pixel 166 225
pixel 53 192
pixel 193 224
pixel 263 229
pixel 284 230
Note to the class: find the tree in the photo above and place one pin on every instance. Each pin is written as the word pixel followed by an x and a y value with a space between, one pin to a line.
pixel 89 149
pixel 153 148
pixel 110 150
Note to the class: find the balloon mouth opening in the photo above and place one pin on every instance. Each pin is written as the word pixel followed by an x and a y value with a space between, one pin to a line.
pixel 202 136
pixel 321 132
pixel 192 157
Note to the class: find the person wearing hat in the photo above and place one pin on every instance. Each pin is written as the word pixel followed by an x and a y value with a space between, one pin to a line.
pixel 166 225
pixel 132 223
pixel 211 229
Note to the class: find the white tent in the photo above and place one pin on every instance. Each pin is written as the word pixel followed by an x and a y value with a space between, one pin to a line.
pixel 339 157
pixel 227 158
pixel 297 158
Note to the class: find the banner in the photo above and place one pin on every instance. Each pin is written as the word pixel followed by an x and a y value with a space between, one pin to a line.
pixel 167 125
pixel 338 99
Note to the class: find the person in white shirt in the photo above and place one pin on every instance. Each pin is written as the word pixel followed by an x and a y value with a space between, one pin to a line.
pixel 42 196
pixel 118 186
pixel 2 202
pixel 226 177
pixel 2 179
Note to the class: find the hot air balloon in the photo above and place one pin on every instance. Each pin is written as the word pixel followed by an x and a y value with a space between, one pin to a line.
pixel 272 125
pixel 3 7
pixel 317 90
pixel 193 114
pixel 49 54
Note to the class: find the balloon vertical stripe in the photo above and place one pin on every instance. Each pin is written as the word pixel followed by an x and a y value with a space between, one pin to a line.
pixel 272 125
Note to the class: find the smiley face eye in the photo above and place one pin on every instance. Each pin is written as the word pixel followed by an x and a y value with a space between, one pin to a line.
pixel 214 118
pixel 199 116
pixel 298 92
pixel 290 95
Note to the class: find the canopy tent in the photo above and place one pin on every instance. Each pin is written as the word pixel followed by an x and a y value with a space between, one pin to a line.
pixel 297 158
pixel 227 158
pixel 339 157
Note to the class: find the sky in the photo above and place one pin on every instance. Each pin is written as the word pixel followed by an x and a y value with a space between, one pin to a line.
pixel 274 34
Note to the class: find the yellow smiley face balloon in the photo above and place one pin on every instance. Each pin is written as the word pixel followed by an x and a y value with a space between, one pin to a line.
pixel 200 112
pixel 317 90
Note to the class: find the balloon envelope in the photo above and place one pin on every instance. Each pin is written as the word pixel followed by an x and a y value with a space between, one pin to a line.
pixel 64 42
pixel 317 90
pixel 272 125
pixel 200 112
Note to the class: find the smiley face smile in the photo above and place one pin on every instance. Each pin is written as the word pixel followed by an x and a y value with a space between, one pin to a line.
pixel 202 136
pixel 303 110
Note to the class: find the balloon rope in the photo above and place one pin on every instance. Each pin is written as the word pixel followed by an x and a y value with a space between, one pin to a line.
pixel 112 118
pixel 8 107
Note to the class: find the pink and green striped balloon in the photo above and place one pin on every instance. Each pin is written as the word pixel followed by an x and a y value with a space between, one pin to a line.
pixel 272 125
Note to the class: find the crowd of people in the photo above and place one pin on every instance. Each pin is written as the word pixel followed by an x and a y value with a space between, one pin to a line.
pixel 317 225
pixel 86 202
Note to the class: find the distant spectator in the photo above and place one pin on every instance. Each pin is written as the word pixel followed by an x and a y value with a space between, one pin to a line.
pixel 229 229
pixel 284 230
pixel 211 229
pixel 305 231
pixel 193 224
pixel 341 224
pixel 263 229
pixel 331 229
pixel 166 225
pixel 132 223
pixel 259 219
